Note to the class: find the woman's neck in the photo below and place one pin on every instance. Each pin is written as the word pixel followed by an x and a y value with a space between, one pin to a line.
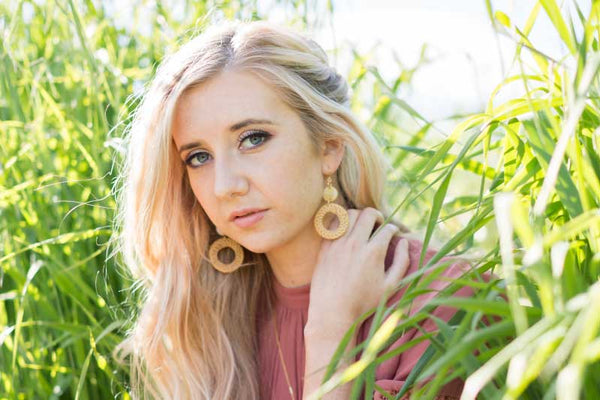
pixel 294 262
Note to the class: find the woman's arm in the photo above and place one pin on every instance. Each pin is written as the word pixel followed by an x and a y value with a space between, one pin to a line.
pixel 320 344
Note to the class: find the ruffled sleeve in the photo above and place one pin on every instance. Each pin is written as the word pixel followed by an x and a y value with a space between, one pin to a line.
pixel 391 375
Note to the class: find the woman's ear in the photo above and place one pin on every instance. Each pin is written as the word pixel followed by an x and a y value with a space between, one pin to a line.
pixel 332 153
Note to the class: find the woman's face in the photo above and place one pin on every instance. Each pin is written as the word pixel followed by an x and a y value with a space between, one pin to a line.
pixel 245 148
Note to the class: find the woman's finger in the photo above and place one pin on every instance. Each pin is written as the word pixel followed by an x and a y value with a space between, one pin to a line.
pixel 399 266
pixel 352 217
pixel 366 222
pixel 381 241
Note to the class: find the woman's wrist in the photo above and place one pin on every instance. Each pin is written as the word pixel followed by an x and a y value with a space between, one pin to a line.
pixel 325 328
pixel 320 345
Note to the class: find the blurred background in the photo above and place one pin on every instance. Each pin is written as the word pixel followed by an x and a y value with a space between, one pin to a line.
pixel 468 99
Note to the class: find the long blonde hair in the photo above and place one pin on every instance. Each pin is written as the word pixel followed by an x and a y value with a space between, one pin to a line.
pixel 195 335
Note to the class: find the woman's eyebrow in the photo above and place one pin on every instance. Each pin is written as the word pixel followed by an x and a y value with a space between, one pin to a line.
pixel 250 121
pixel 232 128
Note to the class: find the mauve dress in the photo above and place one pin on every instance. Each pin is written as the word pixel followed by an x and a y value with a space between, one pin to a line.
pixel 291 307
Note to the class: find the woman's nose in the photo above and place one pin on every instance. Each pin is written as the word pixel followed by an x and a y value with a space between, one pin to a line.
pixel 229 179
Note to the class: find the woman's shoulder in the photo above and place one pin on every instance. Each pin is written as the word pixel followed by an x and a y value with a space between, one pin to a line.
pixel 443 272
pixel 456 265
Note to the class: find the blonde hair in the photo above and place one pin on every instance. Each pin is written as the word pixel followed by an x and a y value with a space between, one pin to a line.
pixel 195 336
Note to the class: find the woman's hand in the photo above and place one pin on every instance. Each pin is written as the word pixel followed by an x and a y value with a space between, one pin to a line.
pixel 350 275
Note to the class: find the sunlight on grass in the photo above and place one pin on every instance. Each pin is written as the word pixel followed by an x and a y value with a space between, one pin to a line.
pixel 526 217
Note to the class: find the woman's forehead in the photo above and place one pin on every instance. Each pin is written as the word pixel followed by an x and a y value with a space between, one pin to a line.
pixel 227 101
pixel 229 93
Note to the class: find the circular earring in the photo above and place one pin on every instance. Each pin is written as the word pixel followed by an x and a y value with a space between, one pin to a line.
pixel 329 195
pixel 220 244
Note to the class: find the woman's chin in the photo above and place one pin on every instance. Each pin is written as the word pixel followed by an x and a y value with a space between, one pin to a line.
pixel 263 243
pixel 257 248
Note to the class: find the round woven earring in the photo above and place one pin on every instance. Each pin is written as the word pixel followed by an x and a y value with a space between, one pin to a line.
pixel 329 195
pixel 220 244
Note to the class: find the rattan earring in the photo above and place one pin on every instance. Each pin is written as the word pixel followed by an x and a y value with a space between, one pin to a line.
pixel 329 195
pixel 220 244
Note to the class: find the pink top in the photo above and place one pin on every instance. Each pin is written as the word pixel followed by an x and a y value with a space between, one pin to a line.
pixel 292 311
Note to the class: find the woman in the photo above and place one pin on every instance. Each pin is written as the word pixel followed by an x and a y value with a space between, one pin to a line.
pixel 245 142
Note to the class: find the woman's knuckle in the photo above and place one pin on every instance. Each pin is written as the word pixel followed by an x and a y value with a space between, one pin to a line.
pixel 388 229
pixel 392 227
pixel 354 243
pixel 377 249
pixel 370 211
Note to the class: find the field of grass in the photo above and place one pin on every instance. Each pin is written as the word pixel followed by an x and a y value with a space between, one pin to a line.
pixel 69 76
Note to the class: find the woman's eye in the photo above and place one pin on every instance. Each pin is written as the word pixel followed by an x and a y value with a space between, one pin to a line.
pixel 199 158
pixel 262 136
pixel 194 160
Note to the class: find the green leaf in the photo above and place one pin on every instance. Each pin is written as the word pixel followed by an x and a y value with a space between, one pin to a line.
pixel 502 18
pixel 555 16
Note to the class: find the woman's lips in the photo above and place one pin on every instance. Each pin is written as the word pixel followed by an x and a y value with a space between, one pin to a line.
pixel 250 219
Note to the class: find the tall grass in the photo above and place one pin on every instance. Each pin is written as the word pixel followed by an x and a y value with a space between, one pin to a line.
pixel 67 70
pixel 537 160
